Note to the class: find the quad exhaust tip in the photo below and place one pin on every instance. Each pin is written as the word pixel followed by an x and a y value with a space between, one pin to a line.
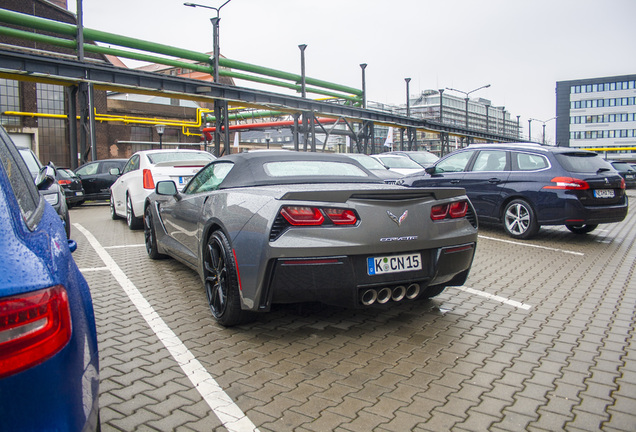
pixel 386 294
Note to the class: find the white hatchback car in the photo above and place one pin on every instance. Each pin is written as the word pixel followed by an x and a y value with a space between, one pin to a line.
pixel 143 170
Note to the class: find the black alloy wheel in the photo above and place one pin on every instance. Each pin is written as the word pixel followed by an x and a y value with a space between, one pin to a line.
pixel 150 236
pixel 581 229
pixel 221 281
pixel 520 221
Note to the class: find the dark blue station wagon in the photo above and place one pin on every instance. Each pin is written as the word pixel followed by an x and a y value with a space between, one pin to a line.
pixel 524 186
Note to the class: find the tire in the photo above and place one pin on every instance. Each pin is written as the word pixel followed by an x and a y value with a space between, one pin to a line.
pixel 132 221
pixel 581 229
pixel 67 225
pixel 150 236
pixel 221 281
pixel 113 213
pixel 519 220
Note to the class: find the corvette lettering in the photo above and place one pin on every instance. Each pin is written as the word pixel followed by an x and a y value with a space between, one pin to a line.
pixel 394 239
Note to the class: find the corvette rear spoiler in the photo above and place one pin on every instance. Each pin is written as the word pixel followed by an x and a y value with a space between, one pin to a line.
pixel 337 195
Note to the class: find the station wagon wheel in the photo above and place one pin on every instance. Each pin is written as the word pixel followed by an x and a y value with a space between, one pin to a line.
pixel 519 220
pixel 132 221
pixel 150 235
pixel 221 282
pixel 113 214
pixel 581 229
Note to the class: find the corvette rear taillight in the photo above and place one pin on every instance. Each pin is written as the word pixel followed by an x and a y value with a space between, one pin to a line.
pixel 33 327
pixel 302 215
pixel 313 216
pixel 567 183
pixel 149 182
pixel 454 210
pixel 341 216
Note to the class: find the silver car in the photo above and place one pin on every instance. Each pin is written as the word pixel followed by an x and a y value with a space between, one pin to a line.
pixel 288 227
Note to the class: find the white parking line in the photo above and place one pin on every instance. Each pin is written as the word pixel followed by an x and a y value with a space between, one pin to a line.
pixel 124 246
pixel 532 245
pixel 226 410
pixel 500 299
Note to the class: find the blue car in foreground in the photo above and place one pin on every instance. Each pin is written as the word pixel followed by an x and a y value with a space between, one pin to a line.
pixel 523 186
pixel 49 372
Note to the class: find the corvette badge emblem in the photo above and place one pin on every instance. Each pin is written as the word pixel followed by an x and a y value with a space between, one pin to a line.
pixel 397 220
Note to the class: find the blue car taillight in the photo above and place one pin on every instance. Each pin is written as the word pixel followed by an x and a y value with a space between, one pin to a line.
pixel 33 327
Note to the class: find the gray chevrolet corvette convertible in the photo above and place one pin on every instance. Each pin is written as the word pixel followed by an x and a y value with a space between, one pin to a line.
pixel 287 227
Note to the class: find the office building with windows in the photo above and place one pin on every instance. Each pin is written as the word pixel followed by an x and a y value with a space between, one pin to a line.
pixel 598 113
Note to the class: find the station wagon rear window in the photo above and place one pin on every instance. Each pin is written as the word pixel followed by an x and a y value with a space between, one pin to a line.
pixel 582 162
pixel 313 168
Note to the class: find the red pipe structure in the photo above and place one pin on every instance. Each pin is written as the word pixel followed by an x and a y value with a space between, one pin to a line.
pixel 275 124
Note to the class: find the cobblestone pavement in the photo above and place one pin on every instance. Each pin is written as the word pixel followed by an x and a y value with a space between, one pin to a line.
pixel 540 338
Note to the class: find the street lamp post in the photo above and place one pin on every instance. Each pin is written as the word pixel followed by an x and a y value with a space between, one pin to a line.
pixel 408 102
pixel 544 122
pixel 529 130
pixel 466 98
pixel 363 66
pixel 441 105
pixel 160 130
pixel 215 34
pixel 268 137
pixel 303 82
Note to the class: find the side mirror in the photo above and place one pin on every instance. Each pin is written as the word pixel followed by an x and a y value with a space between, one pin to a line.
pixel 45 178
pixel 430 170
pixel 114 171
pixel 166 187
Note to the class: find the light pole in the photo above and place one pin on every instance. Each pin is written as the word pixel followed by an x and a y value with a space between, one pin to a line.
pixel 215 34
pixel 408 102
pixel 268 136
pixel 441 105
pixel 466 98
pixel 529 130
pixel 303 82
pixel 160 130
pixel 544 122
pixel 363 66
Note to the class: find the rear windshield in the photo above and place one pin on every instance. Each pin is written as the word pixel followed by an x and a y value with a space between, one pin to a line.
pixel 178 156
pixel 312 169
pixel 622 166
pixel 582 162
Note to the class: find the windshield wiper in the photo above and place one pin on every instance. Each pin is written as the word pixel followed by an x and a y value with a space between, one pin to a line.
pixel 600 170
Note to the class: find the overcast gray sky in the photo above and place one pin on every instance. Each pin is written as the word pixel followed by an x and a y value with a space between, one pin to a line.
pixel 520 47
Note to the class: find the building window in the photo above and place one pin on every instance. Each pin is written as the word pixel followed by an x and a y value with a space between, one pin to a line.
pixel 52 131
pixel 9 101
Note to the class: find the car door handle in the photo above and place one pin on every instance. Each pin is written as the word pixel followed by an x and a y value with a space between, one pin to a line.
pixel 454 181
pixel 494 180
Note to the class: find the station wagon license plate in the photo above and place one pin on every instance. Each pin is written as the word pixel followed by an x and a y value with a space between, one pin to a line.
pixel 184 180
pixel 394 264
pixel 604 193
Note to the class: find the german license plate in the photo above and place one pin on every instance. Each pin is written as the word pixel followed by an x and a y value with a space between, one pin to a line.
pixel 394 264
pixel 184 180
pixel 604 193
pixel 80 193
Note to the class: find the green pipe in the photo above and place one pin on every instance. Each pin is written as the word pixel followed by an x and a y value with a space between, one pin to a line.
pixel 247 116
pixel 36 37
pixel 67 43
pixel 26 20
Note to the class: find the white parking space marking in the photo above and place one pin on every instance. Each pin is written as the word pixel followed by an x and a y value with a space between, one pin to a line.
pixel 500 299
pixel 92 269
pixel 124 246
pixel 226 410
pixel 532 245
